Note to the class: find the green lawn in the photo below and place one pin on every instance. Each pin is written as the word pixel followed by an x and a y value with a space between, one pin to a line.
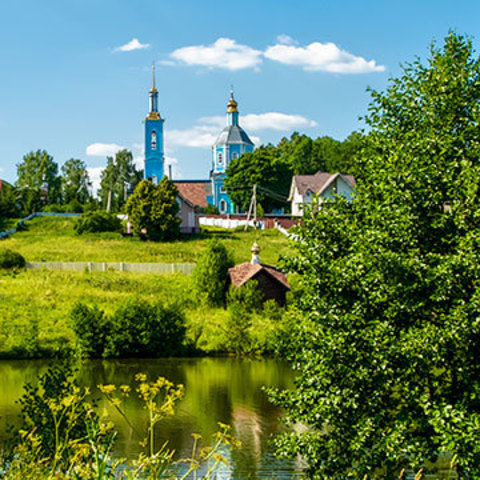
pixel 53 239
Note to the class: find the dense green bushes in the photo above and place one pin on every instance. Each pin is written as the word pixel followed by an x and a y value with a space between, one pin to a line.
pixel 210 273
pixel 97 222
pixel 136 329
pixel 10 259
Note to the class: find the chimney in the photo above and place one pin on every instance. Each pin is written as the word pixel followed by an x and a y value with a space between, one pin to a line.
pixel 255 254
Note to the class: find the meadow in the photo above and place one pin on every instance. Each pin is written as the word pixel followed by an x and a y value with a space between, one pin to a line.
pixel 35 305
pixel 53 239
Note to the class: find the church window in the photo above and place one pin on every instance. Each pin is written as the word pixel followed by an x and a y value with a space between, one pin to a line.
pixel 222 189
pixel 220 158
pixel 234 155
pixel 223 206
pixel 154 140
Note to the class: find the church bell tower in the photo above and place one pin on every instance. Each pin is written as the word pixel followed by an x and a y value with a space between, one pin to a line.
pixel 154 158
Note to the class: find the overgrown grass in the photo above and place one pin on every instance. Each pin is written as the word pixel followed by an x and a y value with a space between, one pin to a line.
pixel 35 308
pixel 53 239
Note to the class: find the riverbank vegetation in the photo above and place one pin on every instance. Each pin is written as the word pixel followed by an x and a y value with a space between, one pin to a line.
pixel 36 306
pixel 64 435
pixel 388 337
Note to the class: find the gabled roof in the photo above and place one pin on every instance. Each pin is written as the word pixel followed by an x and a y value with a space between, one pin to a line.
pixel 240 274
pixel 317 183
pixel 233 134
pixel 195 191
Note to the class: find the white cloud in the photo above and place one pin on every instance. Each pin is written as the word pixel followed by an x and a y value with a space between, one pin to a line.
pixel 103 149
pixel 133 44
pixel 326 57
pixel 265 121
pixel 224 53
pixel 286 40
pixel 202 136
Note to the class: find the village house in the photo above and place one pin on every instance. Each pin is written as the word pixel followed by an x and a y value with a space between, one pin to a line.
pixel 323 184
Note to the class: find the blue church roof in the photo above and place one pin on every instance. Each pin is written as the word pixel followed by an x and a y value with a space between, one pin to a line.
pixel 233 134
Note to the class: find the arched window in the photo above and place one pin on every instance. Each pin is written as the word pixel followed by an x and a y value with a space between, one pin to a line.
pixel 154 140
pixel 220 158
pixel 223 206
pixel 234 155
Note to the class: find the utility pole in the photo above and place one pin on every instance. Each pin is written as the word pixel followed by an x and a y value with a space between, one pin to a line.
pixel 252 207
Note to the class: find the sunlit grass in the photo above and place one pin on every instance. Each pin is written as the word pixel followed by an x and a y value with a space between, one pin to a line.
pixel 53 239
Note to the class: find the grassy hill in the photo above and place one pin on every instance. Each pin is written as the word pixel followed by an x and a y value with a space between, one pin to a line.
pixel 53 239
pixel 35 305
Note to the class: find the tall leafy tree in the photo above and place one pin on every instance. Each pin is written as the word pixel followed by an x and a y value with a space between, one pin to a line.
pixel 75 181
pixel 264 168
pixel 153 210
pixel 388 349
pixel 118 178
pixel 38 173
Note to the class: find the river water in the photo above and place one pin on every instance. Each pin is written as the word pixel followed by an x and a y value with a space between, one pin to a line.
pixel 226 390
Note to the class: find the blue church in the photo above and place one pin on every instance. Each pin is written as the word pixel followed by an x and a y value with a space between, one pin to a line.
pixel 232 142
pixel 154 157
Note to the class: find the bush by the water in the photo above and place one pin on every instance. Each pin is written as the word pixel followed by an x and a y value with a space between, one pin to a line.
pixel 10 259
pixel 136 329
pixel 93 222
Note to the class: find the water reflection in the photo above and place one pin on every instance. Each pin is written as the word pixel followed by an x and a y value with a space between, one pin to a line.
pixel 223 390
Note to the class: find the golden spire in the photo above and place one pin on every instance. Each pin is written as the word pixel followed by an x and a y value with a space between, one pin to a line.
pixel 153 90
pixel 232 104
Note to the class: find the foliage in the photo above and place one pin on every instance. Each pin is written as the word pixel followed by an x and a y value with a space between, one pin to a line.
pixel 388 335
pixel 56 412
pixel 153 210
pixel 63 437
pixel 38 174
pixel 91 222
pixel 264 168
pixel 10 259
pixel 271 167
pixel 8 201
pixel 118 179
pixel 249 296
pixel 91 329
pixel 136 329
pixel 210 273
pixel 75 181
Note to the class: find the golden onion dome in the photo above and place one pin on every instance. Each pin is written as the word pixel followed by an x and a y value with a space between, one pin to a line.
pixel 232 104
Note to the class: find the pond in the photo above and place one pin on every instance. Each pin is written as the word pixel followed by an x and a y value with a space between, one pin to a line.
pixel 226 390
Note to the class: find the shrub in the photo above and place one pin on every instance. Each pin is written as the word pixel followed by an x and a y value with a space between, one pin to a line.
pixel 239 323
pixel 210 273
pixel 10 259
pixel 136 329
pixel 248 295
pixel 91 328
pixel 139 329
pixel 93 222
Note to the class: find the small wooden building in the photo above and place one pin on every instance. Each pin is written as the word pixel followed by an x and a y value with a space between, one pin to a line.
pixel 271 281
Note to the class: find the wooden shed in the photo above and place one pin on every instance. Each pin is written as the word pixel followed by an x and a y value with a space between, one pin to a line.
pixel 271 281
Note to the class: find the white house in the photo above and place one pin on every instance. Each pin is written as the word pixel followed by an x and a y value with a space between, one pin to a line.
pixel 326 185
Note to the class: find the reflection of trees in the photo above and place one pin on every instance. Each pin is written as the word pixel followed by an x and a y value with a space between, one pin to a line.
pixel 224 390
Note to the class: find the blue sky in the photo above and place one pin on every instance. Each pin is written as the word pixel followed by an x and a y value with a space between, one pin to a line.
pixel 76 73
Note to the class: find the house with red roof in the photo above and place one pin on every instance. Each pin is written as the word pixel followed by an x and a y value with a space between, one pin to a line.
pixel 325 185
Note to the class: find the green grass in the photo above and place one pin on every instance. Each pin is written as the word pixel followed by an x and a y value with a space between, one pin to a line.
pixel 35 307
pixel 53 239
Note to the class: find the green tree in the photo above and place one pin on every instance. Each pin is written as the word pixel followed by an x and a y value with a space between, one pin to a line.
pixel 387 348
pixel 210 273
pixel 38 173
pixel 75 181
pixel 8 201
pixel 118 178
pixel 264 168
pixel 153 210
